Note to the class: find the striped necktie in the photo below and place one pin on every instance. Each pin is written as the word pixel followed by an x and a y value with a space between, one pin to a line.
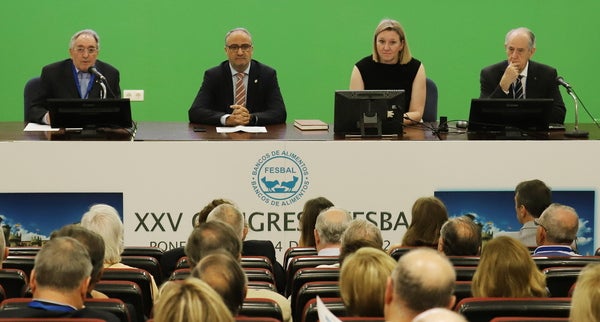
pixel 240 90
pixel 518 89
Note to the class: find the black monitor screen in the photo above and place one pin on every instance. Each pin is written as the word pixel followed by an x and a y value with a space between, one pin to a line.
pixel 498 115
pixel 90 113
pixel 369 112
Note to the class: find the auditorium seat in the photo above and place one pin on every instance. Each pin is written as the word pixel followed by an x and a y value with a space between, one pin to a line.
pixel 462 290
pixel 23 251
pixel 182 263
pixel 139 276
pixel 465 273
pixel 262 286
pixel 559 280
pixel 309 291
pixel 313 274
pixel 486 308
pixel 13 281
pixel 545 262
pixel 299 262
pixel 126 291
pixel 334 304
pixel 261 307
pixel 114 306
pixel 253 319
pixel 257 262
pixel 148 263
pixel 259 275
pixel 526 319
pixel 297 251
pixel 398 251
pixel 24 263
pixel 464 260
pixel 180 274
pixel 143 251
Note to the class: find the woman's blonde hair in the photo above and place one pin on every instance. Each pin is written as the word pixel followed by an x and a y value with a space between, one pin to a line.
pixel 404 56
pixel 190 300
pixel 363 279
pixel 584 303
pixel 506 269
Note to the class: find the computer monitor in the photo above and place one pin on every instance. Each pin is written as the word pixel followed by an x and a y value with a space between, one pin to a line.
pixel 369 112
pixel 504 115
pixel 90 114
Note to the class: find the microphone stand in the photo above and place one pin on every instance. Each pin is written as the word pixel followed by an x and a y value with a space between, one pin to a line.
pixel 103 90
pixel 575 133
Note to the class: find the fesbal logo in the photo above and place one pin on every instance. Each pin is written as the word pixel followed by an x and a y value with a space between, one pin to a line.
pixel 280 178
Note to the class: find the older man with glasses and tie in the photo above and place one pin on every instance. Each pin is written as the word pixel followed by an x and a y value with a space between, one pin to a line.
pixel 71 78
pixel 240 91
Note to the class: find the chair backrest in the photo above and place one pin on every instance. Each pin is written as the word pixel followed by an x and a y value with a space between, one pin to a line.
pixel 183 262
pixel 260 275
pixel 312 274
pixel 297 251
pixel 180 274
pixel 559 280
pixel 126 291
pixel 252 319
pixel 462 290
pixel 261 307
pixel 23 251
pixel 14 281
pixel 299 262
pixel 143 251
pixel 334 304
pixel 545 262
pixel 465 273
pixel 309 291
pixel 431 101
pixel 32 89
pixel 464 260
pixel 148 263
pixel 24 263
pixel 114 306
pixel 257 262
pixel 526 319
pixel 258 285
pixel 139 276
pixel 487 308
pixel 398 251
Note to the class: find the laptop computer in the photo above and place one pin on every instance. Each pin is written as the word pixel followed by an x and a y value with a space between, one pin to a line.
pixel 90 113
pixel 502 115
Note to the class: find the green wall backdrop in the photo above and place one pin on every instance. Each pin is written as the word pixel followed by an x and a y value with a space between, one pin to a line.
pixel 164 47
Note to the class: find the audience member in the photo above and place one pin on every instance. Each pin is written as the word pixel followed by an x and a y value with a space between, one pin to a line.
pixel 104 220
pixel 422 279
pixel 190 300
pixel 59 282
pixel 240 91
pixel 538 80
pixel 506 269
pixel 586 296
pixel 225 275
pixel 428 216
pixel 392 66
pixel 460 236
pixel 232 216
pixel 71 78
pixel 363 281
pixel 3 247
pixel 308 218
pixel 360 233
pixel 531 198
pixel 439 314
pixel 556 231
pixel 214 236
pixel 94 245
pixel 329 227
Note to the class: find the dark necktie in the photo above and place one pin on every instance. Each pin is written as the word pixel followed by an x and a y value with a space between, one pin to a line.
pixel 240 90
pixel 518 89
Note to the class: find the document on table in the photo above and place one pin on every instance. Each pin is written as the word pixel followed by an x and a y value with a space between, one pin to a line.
pixel 34 127
pixel 241 128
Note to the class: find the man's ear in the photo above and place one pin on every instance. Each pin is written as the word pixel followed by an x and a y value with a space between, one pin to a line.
pixel 83 287
pixel 452 302
pixel 244 233
pixel 5 253
pixel 389 291
pixel 317 238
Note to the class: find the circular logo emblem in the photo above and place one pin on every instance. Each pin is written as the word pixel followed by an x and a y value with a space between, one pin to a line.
pixel 280 178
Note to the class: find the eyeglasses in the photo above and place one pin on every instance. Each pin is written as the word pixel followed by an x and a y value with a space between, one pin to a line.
pixel 244 47
pixel 91 50
pixel 537 223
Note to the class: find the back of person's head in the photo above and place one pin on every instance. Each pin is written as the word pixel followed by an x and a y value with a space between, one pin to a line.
pixel 559 223
pixel 360 233
pixel 311 210
pixel 331 224
pixel 439 314
pixel 210 237
pixel 93 243
pixel 460 236
pixel 428 216
pixel 229 214
pixel 3 247
pixel 423 279
pixel 104 220
pixel 506 269
pixel 586 296
pixel 363 281
pixel 404 56
pixel 534 195
pixel 62 264
pixel 225 275
pixel 190 300
pixel 201 216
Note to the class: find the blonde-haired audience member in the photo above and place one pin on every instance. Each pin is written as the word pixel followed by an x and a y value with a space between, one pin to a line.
pixel 584 303
pixel 506 269
pixel 190 300
pixel 363 279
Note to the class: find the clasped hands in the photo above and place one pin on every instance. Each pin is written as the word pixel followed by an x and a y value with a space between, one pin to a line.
pixel 239 116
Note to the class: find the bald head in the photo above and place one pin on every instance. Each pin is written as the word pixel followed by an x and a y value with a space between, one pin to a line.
pixel 229 214
pixel 558 225
pixel 331 224
pixel 439 314
pixel 423 279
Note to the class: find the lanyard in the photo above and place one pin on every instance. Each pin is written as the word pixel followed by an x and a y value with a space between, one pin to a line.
pixel 51 306
pixel 90 84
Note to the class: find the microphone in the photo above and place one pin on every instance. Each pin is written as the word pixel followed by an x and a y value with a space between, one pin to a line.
pixel 95 71
pixel 561 81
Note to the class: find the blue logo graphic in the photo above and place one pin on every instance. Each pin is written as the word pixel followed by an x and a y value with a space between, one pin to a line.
pixel 280 178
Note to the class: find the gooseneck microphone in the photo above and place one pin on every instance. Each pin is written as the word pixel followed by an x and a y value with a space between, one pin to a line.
pixel 93 70
pixel 561 81
pixel 575 133
pixel 102 81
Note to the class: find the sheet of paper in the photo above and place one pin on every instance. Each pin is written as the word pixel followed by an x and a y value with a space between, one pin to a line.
pixel 324 313
pixel 241 128
pixel 34 127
